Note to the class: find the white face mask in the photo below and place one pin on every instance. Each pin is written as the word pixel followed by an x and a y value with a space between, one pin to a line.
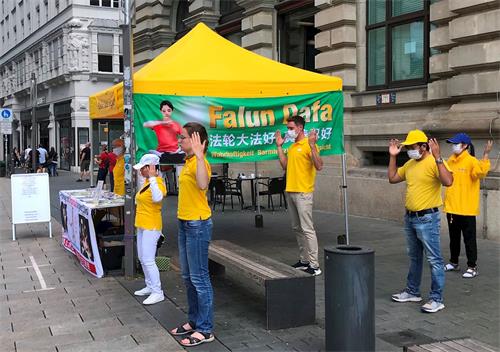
pixel 291 134
pixel 118 151
pixel 414 154
pixel 456 148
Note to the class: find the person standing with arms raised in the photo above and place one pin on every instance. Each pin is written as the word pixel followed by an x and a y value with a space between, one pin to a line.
pixel 195 234
pixel 461 200
pixel 424 174
pixel 148 223
pixel 301 164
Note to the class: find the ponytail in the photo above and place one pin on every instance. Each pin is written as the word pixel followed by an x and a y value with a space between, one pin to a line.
pixel 471 150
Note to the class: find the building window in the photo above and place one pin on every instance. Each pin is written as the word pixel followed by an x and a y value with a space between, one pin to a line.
pixel 105 3
pixel 105 52
pixel 397 43
pixel 120 58
pixel 381 158
pixel 296 36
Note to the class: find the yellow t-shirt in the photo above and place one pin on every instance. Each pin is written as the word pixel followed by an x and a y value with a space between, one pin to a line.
pixel 147 212
pixel 119 176
pixel 423 186
pixel 300 170
pixel 462 197
pixel 193 203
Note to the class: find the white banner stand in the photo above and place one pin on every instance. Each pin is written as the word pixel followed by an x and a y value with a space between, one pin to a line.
pixel 30 200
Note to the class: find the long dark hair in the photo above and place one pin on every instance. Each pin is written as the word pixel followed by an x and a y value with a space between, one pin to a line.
pixel 192 127
pixel 471 149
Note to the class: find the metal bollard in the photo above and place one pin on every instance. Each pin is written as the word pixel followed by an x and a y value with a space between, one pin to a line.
pixel 349 298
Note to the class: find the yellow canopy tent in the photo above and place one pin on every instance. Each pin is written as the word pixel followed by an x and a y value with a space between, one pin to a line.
pixel 202 63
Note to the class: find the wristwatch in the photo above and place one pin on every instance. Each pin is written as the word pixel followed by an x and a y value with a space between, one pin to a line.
pixel 439 160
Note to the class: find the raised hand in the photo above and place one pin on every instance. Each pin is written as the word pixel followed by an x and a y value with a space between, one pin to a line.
pixel 279 139
pixel 313 137
pixel 152 171
pixel 394 147
pixel 434 147
pixel 196 145
pixel 488 147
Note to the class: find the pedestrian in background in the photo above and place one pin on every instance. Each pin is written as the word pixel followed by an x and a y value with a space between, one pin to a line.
pixel 461 202
pixel 301 164
pixel 424 174
pixel 195 233
pixel 52 162
pixel 43 155
pixel 102 160
pixel 148 223
pixel 84 162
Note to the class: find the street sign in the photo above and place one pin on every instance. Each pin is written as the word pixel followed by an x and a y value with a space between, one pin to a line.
pixel 6 115
pixel 6 127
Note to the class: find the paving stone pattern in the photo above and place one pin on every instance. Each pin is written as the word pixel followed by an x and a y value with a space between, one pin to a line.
pixel 472 306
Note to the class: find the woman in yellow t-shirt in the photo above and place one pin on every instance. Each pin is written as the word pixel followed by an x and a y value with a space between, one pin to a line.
pixel 461 200
pixel 148 222
pixel 195 233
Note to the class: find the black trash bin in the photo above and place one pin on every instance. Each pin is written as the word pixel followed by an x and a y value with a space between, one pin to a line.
pixel 349 298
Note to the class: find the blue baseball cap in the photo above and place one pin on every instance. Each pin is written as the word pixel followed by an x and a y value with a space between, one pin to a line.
pixel 460 138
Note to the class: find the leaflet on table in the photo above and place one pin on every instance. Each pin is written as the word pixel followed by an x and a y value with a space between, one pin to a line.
pixel 93 199
pixel 79 234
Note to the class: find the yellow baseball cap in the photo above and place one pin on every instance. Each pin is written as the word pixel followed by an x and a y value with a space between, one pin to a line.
pixel 415 136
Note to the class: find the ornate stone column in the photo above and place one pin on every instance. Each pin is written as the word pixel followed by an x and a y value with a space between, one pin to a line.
pixel 337 40
pixel 259 25
pixel 206 11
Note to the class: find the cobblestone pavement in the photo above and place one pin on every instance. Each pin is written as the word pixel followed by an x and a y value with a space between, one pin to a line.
pixel 76 312
pixel 472 306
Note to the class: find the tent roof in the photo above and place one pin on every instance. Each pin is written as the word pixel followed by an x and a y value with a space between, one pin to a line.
pixel 202 63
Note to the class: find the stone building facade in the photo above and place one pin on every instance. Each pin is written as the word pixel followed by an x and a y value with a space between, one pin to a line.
pixel 73 47
pixel 406 64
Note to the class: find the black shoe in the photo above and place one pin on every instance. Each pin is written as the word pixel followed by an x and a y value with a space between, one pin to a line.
pixel 301 266
pixel 79 180
pixel 313 271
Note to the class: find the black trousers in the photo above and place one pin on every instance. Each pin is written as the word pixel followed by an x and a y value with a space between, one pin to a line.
pixel 466 225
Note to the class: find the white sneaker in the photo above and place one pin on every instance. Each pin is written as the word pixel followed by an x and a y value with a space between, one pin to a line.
pixel 143 292
pixel 154 298
pixel 470 273
pixel 405 297
pixel 451 267
pixel 432 306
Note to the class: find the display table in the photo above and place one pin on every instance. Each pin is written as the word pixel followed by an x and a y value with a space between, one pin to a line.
pixel 81 212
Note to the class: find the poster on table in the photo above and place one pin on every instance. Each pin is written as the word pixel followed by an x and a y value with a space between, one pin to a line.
pixel 79 234
pixel 243 129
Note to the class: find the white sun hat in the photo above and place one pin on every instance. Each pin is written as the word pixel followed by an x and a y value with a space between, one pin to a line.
pixel 147 159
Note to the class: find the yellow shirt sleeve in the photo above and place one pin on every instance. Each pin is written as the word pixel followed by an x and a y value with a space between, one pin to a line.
pixel 480 168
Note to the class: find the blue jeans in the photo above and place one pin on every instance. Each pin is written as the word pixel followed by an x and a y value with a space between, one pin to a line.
pixel 194 238
pixel 423 235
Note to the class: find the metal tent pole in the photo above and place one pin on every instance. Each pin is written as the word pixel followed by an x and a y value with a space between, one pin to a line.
pixel 344 194
pixel 91 167
pixel 33 120
pixel 259 218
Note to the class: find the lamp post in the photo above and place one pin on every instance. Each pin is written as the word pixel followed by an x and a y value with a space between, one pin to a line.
pixel 33 120
pixel 128 119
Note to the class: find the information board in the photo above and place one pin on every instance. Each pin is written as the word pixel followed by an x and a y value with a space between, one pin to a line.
pixel 30 198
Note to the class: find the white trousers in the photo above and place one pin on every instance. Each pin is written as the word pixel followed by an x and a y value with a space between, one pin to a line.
pixel 146 250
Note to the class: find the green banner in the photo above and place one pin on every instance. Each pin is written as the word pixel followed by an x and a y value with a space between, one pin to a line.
pixel 242 129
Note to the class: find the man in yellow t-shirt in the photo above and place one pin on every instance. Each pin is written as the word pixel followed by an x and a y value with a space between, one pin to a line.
pixel 424 174
pixel 301 164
